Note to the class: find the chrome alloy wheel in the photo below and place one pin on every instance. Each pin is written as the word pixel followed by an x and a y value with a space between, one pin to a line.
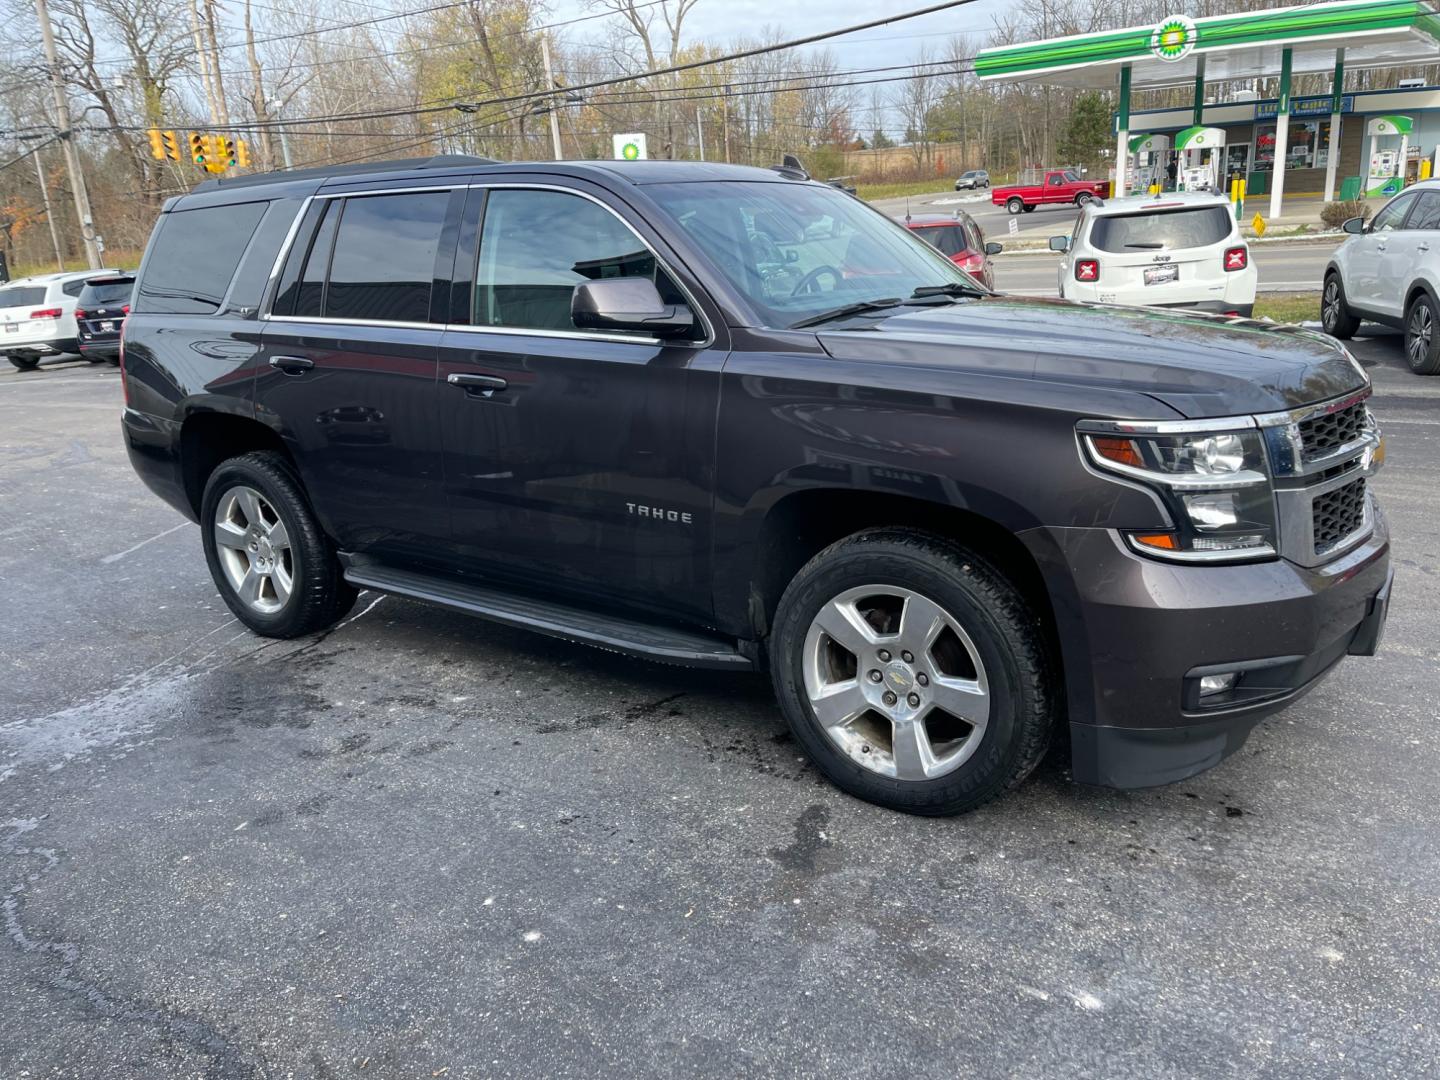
pixel 254 550
pixel 896 682
pixel 1330 304
pixel 1422 326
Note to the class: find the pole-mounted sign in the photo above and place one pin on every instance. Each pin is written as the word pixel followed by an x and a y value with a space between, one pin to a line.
pixel 630 147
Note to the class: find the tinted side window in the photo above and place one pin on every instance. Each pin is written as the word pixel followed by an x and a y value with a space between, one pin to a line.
pixel 1393 214
pixel 536 246
pixel 1426 214
pixel 383 266
pixel 110 292
pixel 311 288
pixel 22 295
pixel 72 288
pixel 193 257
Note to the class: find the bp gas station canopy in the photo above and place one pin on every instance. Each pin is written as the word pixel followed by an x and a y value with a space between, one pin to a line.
pixel 1181 51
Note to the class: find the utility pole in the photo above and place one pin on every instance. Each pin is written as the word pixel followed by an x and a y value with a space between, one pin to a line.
pixel 700 131
pixel 202 57
pixel 223 117
pixel 49 215
pixel 67 138
pixel 725 119
pixel 554 98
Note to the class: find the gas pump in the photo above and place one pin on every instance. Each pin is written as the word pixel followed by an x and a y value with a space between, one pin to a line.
pixel 1148 154
pixel 1200 150
pixel 1386 174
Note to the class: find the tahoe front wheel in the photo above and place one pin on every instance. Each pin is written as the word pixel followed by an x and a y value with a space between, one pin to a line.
pixel 275 568
pixel 913 672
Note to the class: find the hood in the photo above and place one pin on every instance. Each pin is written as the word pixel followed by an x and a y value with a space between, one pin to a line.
pixel 1199 365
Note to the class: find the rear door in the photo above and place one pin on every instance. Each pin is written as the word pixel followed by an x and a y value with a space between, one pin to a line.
pixel 574 460
pixel 1167 253
pixel 349 360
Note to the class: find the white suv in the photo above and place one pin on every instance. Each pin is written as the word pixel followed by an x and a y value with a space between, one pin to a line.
pixel 1389 272
pixel 37 316
pixel 1174 250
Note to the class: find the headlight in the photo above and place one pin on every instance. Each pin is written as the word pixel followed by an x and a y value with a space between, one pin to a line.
pixel 1215 485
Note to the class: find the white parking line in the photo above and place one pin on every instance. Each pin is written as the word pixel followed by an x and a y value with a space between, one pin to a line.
pixel 142 543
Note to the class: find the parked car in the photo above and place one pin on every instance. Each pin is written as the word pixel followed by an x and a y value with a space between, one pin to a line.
pixel 944 521
pixel 959 237
pixel 100 309
pixel 1177 251
pixel 1389 272
pixel 970 181
pixel 1058 187
pixel 37 316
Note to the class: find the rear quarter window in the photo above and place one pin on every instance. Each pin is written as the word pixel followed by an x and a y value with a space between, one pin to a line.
pixel 21 295
pixel 193 257
pixel 1163 230
pixel 108 293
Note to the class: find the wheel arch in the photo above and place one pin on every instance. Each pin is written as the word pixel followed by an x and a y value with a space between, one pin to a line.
pixel 1417 287
pixel 209 437
pixel 802 524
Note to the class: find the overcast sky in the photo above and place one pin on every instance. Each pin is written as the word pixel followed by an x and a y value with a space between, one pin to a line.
pixel 898 43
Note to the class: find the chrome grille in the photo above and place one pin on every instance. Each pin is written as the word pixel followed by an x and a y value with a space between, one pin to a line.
pixel 1337 514
pixel 1320 435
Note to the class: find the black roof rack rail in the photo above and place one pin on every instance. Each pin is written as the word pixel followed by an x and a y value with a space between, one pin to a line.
pixel 320 172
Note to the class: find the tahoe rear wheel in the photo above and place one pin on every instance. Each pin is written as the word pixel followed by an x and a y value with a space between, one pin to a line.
pixel 1014 205
pixel 913 672
pixel 1422 335
pixel 1335 315
pixel 274 567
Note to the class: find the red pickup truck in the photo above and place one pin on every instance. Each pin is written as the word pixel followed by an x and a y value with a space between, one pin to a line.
pixel 1059 187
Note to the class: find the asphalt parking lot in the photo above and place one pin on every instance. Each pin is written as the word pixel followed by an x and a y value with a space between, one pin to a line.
pixel 420 845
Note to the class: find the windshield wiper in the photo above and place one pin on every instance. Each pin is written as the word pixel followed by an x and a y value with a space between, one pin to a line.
pixel 1146 244
pixel 950 288
pixel 857 308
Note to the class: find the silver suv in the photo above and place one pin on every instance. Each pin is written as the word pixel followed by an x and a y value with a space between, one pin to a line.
pixel 1389 272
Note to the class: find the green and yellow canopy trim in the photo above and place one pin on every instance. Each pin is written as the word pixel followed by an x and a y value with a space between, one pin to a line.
pixel 1390 125
pixel 1200 138
pixel 1173 39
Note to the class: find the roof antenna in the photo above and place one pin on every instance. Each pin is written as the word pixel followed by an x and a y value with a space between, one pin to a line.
pixel 907 209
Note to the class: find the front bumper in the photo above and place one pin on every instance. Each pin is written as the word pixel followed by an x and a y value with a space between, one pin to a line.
pixel 1136 634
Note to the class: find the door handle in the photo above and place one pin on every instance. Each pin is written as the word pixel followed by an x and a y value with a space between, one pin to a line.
pixel 477 385
pixel 292 365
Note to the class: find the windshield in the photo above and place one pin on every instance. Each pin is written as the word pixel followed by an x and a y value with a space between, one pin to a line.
pixel 22 296
pixel 1165 230
pixel 107 293
pixel 798 250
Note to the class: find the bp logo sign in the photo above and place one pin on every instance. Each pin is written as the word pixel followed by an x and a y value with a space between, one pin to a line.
pixel 1174 38
pixel 630 147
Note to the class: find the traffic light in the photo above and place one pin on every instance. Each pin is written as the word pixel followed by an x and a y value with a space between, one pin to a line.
pixel 171 143
pixel 199 148
pixel 227 154
pixel 213 150
pixel 242 154
pixel 157 144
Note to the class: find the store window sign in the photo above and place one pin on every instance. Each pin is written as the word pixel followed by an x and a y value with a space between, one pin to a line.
pixel 1306 106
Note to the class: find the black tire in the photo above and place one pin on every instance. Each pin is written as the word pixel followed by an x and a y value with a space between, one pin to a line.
pixel 1029 209
pixel 113 360
pixel 320 594
pixel 1084 199
pixel 1422 335
pixel 1335 316
pixel 25 363
pixel 1015 204
pixel 1008 638
pixel 92 358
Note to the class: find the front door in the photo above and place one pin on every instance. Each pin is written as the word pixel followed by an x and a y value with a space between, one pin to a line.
pixel 574 460
pixel 350 354
pixel 1363 286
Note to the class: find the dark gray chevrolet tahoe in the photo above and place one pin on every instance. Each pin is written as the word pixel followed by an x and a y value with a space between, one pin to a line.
pixel 732 418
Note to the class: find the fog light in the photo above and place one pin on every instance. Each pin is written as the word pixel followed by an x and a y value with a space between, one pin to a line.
pixel 1216 684
pixel 1213 510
